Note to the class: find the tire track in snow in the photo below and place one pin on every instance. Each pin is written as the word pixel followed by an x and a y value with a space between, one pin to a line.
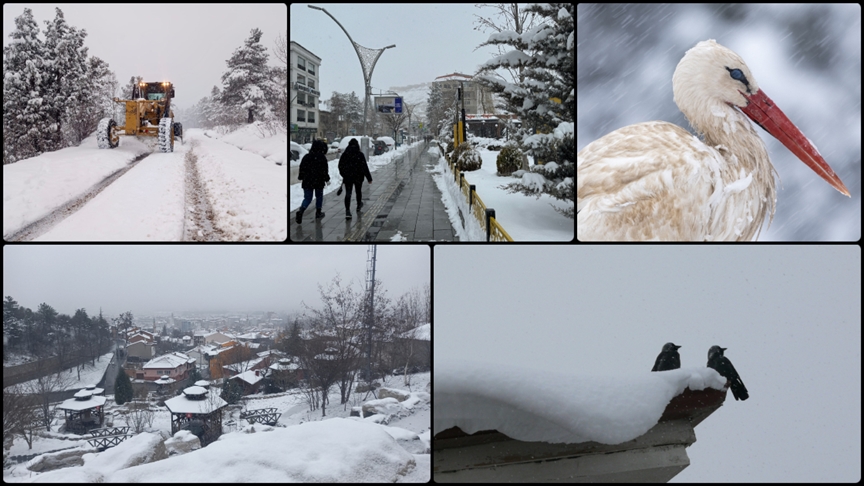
pixel 198 225
pixel 44 224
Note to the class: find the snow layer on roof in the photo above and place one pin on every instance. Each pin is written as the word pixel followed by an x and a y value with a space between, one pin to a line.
pixel 249 377
pixel 420 333
pixel 78 405
pixel 172 360
pixel 547 406
pixel 181 404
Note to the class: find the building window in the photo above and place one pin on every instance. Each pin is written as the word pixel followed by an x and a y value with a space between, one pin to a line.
pixel 301 63
pixel 311 117
pixel 312 84
pixel 301 80
pixel 301 98
pixel 301 115
pixel 311 69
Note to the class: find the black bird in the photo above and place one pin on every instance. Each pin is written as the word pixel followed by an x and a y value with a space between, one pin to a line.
pixel 722 365
pixel 668 359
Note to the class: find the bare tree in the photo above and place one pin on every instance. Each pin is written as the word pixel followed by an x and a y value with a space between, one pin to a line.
pixel 43 389
pixel 280 52
pixel 19 413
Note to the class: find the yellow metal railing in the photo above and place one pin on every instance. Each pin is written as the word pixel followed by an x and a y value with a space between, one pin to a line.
pixel 495 232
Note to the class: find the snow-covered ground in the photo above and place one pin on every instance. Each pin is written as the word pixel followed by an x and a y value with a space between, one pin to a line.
pixel 249 193
pixel 525 218
pixel 243 183
pixel 89 375
pixel 303 447
pixel 34 187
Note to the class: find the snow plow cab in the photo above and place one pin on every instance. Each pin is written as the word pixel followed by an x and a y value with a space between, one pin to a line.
pixel 148 114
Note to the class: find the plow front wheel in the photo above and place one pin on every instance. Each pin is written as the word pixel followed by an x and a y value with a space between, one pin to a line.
pixel 166 135
pixel 105 136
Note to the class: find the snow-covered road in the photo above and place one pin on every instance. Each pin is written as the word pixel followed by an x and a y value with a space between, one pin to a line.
pixel 151 201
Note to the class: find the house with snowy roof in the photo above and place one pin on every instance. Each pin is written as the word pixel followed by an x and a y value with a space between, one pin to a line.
pixel 250 380
pixel 175 366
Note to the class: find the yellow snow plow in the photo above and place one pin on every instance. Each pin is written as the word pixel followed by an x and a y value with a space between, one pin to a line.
pixel 148 114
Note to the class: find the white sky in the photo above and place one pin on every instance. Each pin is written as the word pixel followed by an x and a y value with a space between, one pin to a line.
pixel 185 44
pixel 431 40
pixel 790 317
pixel 145 278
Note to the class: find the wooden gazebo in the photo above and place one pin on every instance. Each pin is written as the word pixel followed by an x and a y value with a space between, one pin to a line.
pixel 198 410
pixel 83 412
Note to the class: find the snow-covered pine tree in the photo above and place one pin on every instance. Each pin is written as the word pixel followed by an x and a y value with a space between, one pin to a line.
pixel 24 119
pixel 64 78
pixel 247 82
pixel 436 109
pixel 94 102
pixel 127 91
pixel 543 98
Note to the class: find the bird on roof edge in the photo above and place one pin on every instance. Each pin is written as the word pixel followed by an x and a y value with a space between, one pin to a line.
pixel 668 359
pixel 656 181
pixel 722 365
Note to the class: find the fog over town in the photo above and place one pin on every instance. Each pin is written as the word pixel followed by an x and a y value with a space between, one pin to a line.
pixel 151 280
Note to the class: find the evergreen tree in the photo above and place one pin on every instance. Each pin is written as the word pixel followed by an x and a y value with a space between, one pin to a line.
pixel 295 342
pixel 232 392
pixel 24 120
pixel 65 75
pixel 127 91
pixel 195 375
pixel 122 388
pixel 543 97
pixel 247 81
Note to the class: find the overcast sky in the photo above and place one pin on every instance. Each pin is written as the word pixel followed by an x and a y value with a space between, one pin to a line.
pixel 431 40
pixel 149 278
pixel 185 44
pixel 790 317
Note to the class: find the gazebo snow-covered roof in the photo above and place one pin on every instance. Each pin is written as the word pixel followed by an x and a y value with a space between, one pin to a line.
pixel 188 402
pixel 83 412
pixel 198 410
pixel 94 390
pixel 82 401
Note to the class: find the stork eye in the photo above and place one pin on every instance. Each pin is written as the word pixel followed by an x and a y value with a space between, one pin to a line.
pixel 737 74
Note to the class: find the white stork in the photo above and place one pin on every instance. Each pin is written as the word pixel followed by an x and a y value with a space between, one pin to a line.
pixel 656 181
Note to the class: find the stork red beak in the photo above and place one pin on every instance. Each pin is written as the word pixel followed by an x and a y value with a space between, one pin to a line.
pixel 764 112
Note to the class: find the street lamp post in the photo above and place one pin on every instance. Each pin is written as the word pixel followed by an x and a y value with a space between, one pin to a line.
pixel 368 58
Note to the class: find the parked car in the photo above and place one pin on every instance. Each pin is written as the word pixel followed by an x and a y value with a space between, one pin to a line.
pixel 379 147
pixel 391 144
pixel 297 152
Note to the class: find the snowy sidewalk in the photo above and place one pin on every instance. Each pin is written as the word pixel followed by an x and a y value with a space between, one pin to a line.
pixel 402 204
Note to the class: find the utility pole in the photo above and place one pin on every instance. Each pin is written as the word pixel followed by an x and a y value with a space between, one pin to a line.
pixel 370 310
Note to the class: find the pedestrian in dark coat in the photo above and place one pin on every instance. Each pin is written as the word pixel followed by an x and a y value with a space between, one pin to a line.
pixel 353 168
pixel 315 174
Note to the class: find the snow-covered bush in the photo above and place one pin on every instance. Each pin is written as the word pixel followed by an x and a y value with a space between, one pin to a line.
pixel 509 160
pixel 556 176
pixel 467 159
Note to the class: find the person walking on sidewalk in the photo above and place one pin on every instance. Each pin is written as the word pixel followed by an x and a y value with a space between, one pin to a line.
pixel 315 174
pixel 353 168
